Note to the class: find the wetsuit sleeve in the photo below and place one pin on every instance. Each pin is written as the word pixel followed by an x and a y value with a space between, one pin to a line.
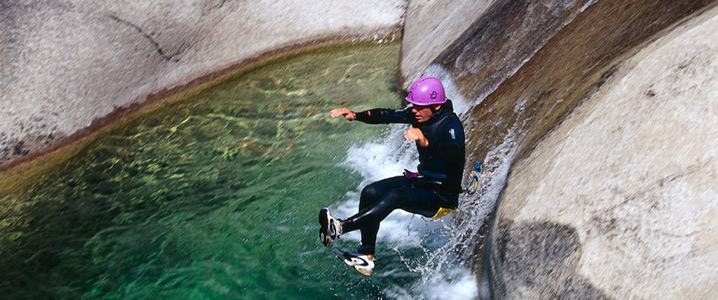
pixel 384 116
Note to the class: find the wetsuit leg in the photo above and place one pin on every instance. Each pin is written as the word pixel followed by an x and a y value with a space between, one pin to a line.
pixel 370 204
pixel 379 199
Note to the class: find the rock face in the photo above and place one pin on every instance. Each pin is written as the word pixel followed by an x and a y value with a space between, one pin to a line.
pixel 619 201
pixel 523 66
pixel 430 27
pixel 68 63
pixel 526 64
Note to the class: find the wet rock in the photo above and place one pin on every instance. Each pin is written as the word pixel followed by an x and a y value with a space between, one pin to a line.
pixel 539 260
pixel 618 201
pixel 430 27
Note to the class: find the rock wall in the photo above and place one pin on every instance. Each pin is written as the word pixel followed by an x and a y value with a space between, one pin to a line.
pixel 523 66
pixel 430 27
pixel 619 201
pixel 67 64
pixel 540 58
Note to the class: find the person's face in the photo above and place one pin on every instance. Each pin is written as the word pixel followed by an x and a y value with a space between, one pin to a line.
pixel 423 113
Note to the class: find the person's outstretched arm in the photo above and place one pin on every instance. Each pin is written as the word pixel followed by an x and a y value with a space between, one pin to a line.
pixel 374 116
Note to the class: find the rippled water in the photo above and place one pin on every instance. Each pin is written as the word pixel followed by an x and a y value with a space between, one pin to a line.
pixel 213 196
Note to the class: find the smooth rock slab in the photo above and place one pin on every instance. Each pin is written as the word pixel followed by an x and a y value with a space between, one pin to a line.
pixel 619 200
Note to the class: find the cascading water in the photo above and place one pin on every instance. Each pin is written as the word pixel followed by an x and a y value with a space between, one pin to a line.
pixel 442 251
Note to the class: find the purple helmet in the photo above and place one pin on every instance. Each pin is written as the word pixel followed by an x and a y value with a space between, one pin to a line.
pixel 426 91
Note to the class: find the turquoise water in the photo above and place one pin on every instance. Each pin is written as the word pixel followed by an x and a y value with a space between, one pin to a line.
pixel 212 197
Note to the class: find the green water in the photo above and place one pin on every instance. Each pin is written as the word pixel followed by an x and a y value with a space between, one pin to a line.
pixel 211 197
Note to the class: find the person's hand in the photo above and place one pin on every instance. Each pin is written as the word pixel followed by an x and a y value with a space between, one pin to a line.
pixel 415 134
pixel 345 112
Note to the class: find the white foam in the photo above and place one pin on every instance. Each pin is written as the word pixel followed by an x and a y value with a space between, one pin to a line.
pixel 376 160
pixel 458 284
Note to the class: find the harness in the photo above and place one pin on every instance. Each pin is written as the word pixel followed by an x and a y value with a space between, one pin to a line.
pixel 419 180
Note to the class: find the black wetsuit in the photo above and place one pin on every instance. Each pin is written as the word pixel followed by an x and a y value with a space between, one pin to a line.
pixel 441 167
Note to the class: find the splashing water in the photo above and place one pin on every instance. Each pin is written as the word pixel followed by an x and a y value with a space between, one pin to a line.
pixel 440 251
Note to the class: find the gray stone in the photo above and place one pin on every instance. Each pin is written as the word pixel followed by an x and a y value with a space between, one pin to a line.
pixel 539 261
pixel 430 28
pixel 630 176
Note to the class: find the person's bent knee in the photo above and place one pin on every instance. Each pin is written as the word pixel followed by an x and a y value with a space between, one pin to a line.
pixel 369 193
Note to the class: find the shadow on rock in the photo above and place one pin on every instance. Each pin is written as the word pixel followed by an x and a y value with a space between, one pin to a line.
pixel 537 260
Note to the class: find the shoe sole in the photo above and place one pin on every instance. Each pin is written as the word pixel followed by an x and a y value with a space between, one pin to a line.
pixel 348 260
pixel 363 272
pixel 324 224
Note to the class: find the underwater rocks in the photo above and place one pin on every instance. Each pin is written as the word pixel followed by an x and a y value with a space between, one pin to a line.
pixel 72 63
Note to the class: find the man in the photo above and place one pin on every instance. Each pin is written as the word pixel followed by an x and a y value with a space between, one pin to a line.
pixel 432 192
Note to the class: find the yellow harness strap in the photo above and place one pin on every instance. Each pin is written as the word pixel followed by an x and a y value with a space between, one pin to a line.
pixel 442 212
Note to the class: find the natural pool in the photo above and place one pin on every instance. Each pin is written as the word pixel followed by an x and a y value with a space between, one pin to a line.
pixel 214 196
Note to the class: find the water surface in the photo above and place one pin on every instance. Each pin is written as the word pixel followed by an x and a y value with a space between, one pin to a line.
pixel 211 197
